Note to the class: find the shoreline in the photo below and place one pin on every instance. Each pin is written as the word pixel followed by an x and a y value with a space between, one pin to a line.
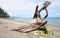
pixel 6 25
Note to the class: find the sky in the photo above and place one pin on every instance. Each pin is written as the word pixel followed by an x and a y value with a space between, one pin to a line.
pixel 26 8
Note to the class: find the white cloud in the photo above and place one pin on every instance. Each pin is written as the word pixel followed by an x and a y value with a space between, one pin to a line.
pixel 54 3
pixel 18 7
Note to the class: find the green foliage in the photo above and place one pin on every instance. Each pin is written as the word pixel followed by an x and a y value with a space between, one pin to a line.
pixel 45 34
pixel 3 14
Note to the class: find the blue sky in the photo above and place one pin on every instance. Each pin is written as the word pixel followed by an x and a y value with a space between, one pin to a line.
pixel 26 8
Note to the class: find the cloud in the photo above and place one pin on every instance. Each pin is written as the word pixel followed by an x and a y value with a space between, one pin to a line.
pixel 26 7
pixel 13 6
pixel 54 3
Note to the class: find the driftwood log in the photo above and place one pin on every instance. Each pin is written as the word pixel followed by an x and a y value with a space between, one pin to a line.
pixel 37 12
pixel 37 25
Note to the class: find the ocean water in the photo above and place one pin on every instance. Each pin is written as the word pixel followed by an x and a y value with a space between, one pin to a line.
pixel 51 20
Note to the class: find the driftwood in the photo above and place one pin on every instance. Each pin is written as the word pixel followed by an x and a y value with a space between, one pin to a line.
pixel 29 28
pixel 37 25
pixel 37 12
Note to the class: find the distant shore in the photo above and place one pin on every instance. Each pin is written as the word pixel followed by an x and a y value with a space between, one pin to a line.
pixel 6 25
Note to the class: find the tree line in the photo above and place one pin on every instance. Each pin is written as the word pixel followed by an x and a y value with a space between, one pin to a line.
pixel 3 14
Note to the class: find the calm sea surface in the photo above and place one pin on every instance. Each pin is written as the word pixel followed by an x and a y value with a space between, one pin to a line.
pixel 51 21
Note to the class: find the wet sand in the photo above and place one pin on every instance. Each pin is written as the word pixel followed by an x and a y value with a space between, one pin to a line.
pixel 6 25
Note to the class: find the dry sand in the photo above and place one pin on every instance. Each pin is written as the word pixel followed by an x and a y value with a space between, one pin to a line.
pixel 6 25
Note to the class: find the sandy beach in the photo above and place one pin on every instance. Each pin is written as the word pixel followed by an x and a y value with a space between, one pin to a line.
pixel 6 25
